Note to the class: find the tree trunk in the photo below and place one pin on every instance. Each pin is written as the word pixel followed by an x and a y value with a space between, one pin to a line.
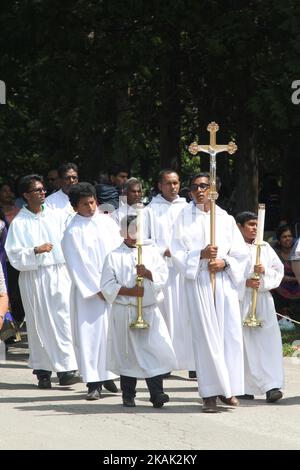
pixel 246 187
pixel 290 201
pixel 169 114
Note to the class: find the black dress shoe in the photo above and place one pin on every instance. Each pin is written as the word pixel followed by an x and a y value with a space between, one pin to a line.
pixel 44 382
pixel 129 402
pixel 273 395
pixel 93 394
pixel 232 401
pixel 110 386
pixel 70 377
pixel 245 397
pixel 159 400
pixel 209 405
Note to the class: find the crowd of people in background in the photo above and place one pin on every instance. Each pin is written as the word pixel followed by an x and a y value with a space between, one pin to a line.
pixel 69 264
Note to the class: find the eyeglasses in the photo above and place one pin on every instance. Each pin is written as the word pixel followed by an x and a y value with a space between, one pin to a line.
pixel 38 190
pixel 203 186
pixel 69 178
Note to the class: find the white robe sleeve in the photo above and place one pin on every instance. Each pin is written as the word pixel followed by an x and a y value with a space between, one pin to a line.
pixel 274 271
pixel 160 274
pixel 109 286
pixel 82 270
pixel 237 257
pixel 186 260
pixel 20 255
pixel 150 231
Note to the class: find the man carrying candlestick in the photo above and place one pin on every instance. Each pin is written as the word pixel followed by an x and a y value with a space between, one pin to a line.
pixel 262 345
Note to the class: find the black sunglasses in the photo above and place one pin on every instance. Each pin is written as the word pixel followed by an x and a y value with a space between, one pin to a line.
pixel 195 186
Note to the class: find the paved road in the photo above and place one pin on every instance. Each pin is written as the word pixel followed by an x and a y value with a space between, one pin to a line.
pixel 61 418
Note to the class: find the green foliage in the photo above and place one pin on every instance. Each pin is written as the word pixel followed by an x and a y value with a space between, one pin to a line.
pixel 287 339
pixel 137 81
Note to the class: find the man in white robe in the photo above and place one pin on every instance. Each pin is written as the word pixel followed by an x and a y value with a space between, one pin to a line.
pixel 33 246
pixel 131 196
pixel 216 326
pixel 68 174
pixel 159 217
pixel 89 237
pixel 137 353
pixel 262 345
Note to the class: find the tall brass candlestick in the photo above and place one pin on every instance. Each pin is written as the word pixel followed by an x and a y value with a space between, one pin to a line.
pixel 139 323
pixel 251 319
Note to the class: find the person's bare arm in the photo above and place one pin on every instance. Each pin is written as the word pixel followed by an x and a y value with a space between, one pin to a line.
pixel 3 308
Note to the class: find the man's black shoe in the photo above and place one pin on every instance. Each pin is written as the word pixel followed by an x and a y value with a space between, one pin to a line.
pixel 273 395
pixel 245 397
pixel 70 377
pixel 129 402
pixel 159 400
pixel 44 382
pixel 93 394
pixel 192 374
pixel 110 386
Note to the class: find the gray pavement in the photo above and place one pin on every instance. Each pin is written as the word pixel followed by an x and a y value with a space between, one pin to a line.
pixel 61 418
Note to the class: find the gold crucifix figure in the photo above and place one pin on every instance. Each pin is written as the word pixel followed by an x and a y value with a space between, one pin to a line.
pixel 212 149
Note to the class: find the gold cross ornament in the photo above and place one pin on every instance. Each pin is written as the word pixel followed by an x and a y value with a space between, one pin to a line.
pixel 212 128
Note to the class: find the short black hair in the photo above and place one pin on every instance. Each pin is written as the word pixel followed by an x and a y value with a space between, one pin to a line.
pixel 64 167
pixel 243 217
pixel 163 173
pixel 79 191
pixel 117 168
pixel 283 228
pixel 26 181
pixel 203 174
pixel 126 221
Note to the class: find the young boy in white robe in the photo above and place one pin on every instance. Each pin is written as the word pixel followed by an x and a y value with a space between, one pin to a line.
pixel 89 237
pixel 262 345
pixel 137 353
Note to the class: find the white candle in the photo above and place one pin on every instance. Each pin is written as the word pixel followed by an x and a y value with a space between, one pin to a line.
pixel 260 223
pixel 140 226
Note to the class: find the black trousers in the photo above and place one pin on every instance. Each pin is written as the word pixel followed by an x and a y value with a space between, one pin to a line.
pixel 94 386
pixel 40 373
pixel 128 386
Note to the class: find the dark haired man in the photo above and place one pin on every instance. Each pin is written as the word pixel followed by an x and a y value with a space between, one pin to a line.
pixel 160 216
pixel 108 194
pixel 33 246
pixel 216 323
pixel 68 174
pixel 89 237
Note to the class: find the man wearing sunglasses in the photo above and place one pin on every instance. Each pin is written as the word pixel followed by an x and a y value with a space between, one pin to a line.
pixel 33 246
pixel 215 317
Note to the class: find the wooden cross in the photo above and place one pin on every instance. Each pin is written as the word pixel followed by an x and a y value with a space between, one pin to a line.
pixel 212 149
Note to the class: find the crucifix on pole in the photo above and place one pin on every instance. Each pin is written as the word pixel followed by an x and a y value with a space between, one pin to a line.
pixel 212 149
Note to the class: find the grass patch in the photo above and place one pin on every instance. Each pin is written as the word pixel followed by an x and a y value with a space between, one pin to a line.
pixel 287 339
